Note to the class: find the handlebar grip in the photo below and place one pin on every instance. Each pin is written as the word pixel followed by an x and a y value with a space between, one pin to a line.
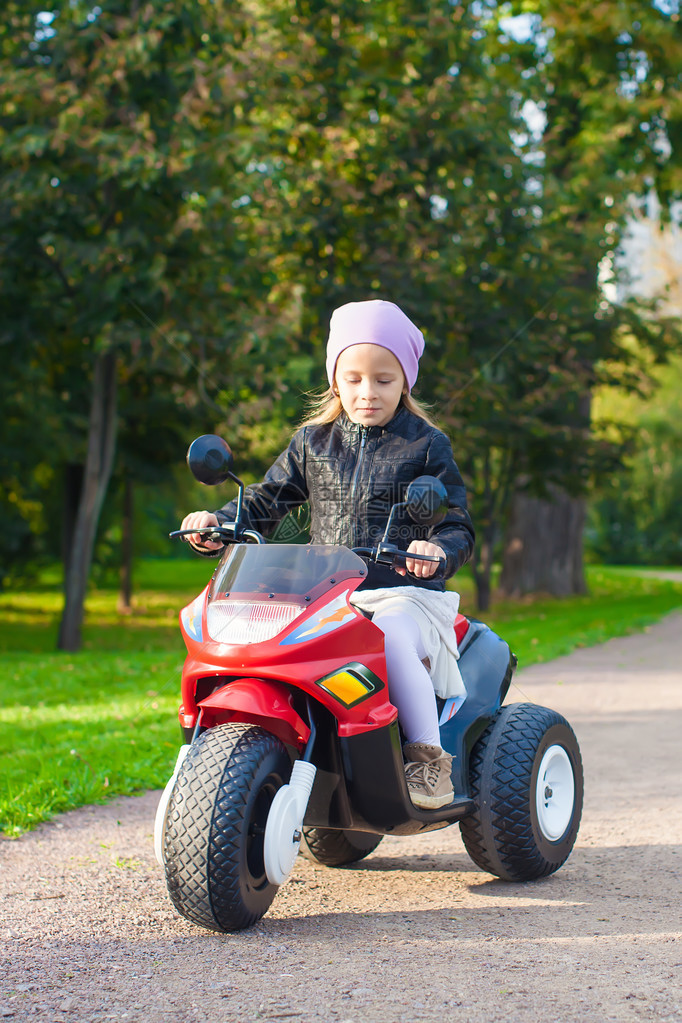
pixel 400 559
pixel 216 533
pixel 417 557
pixel 224 534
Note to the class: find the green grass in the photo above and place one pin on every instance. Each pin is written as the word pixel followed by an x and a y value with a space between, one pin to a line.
pixel 76 730
pixel 79 728
pixel 620 601
pixel 30 618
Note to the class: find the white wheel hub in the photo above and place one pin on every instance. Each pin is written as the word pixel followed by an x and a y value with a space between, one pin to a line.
pixel 285 821
pixel 554 793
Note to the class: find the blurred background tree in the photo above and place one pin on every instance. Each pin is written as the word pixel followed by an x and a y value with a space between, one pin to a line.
pixel 606 81
pixel 119 126
pixel 636 512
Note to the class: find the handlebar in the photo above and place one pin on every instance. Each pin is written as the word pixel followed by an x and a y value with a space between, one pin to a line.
pixel 370 552
pixel 383 554
pixel 220 534
pixel 389 554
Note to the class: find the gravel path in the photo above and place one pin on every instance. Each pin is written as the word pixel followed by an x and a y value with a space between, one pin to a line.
pixel 416 932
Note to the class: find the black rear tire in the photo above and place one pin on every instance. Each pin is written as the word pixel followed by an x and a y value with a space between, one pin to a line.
pixel 215 826
pixel 337 848
pixel 526 821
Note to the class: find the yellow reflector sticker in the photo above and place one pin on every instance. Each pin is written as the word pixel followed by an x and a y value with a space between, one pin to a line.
pixel 346 687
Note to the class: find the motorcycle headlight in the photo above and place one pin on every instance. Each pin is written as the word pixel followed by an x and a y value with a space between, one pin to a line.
pixel 240 622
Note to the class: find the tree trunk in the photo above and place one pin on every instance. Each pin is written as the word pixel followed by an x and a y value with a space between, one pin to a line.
pixel 543 549
pixel 73 485
pixel 98 466
pixel 125 593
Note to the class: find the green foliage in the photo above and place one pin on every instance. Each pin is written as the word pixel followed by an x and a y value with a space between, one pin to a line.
pixel 596 77
pixel 620 602
pixel 118 131
pixel 636 515
pixel 604 86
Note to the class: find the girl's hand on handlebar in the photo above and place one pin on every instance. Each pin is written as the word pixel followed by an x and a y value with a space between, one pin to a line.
pixel 422 569
pixel 198 520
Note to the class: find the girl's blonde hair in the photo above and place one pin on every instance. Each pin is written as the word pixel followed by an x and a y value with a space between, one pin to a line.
pixel 326 407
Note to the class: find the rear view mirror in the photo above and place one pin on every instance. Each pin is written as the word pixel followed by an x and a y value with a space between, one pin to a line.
pixel 210 459
pixel 427 501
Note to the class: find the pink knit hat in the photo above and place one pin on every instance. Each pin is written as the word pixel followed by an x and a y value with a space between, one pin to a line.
pixel 377 323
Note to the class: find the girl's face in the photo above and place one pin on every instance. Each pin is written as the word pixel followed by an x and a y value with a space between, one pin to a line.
pixel 370 382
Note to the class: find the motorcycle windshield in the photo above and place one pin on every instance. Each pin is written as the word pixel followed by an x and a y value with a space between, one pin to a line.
pixel 286 572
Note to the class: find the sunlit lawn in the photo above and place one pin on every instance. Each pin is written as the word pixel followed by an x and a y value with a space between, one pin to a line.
pixel 620 601
pixel 78 728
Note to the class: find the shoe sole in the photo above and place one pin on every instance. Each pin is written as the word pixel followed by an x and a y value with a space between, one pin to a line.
pixel 432 802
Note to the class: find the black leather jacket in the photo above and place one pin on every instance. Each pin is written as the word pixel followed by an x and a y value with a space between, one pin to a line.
pixel 352 475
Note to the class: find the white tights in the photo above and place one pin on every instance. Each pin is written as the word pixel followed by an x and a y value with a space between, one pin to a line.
pixel 409 683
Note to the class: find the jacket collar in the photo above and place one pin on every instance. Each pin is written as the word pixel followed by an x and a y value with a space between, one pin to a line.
pixel 349 427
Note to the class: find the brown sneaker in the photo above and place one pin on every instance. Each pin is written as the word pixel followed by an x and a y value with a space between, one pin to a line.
pixel 428 775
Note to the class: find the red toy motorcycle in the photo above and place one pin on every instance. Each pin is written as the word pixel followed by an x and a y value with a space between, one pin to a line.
pixel 292 741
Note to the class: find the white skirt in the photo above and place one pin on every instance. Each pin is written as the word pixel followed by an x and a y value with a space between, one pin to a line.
pixel 434 611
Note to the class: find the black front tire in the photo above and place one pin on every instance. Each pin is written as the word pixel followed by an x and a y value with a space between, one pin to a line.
pixel 337 848
pixel 527 783
pixel 215 826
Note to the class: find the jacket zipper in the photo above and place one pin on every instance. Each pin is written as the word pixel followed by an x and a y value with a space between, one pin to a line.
pixel 354 481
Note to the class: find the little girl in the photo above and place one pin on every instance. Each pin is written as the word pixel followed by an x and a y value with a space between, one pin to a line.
pixel 352 460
